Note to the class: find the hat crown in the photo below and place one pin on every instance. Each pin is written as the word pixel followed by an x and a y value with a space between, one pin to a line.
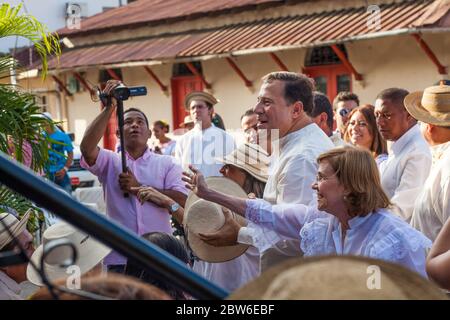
pixel 62 231
pixel 205 217
pixel 437 99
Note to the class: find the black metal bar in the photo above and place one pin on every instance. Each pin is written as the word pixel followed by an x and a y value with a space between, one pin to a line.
pixel 47 195
pixel 121 138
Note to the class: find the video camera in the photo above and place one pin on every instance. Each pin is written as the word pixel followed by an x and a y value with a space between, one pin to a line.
pixel 121 92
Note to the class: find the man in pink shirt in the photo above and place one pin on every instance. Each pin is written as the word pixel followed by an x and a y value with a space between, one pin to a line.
pixel 144 168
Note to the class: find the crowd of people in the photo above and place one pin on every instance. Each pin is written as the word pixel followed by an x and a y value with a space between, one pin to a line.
pixel 313 178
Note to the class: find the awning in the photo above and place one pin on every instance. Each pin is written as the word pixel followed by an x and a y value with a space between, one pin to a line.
pixel 266 36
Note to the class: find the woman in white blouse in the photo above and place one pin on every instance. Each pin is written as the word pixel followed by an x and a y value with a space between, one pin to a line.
pixel 352 215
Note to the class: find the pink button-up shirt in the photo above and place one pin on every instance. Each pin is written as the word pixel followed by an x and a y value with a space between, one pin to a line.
pixel 151 169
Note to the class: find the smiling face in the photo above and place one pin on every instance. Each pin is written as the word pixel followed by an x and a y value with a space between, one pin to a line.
pixel 273 111
pixel 330 192
pixel 135 130
pixel 359 133
pixel 158 132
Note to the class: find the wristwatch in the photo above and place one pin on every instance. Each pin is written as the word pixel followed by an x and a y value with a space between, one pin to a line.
pixel 174 207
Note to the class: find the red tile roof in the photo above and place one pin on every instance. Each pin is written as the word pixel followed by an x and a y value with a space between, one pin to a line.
pixel 264 35
pixel 162 11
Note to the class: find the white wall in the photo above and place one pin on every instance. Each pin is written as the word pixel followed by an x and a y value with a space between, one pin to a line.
pixel 52 13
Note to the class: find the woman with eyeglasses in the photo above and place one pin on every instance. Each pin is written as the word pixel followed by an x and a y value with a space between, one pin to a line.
pixel 362 131
pixel 352 215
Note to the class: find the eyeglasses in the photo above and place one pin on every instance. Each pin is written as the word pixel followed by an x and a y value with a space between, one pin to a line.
pixel 386 116
pixel 344 112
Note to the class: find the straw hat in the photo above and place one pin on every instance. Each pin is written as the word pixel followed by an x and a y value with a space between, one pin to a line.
pixel 14 225
pixel 430 106
pixel 250 158
pixel 89 253
pixel 201 216
pixel 200 95
pixel 338 278
pixel 187 120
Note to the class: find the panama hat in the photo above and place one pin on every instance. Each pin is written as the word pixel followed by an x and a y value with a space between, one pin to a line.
pixel 338 278
pixel 200 95
pixel 430 106
pixel 15 226
pixel 89 253
pixel 187 120
pixel 250 158
pixel 201 216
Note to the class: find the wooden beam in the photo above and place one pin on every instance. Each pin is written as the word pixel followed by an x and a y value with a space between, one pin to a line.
pixel 61 85
pixel 198 74
pixel 163 87
pixel 346 62
pixel 113 74
pixel 83 82
pixel 429 53
pixel 239 72
pixel 278 62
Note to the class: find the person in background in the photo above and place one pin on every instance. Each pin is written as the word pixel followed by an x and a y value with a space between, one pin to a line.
pixel 432 206
pixel 165 145
pixel 362 131
pixel 249 121
pixel 343 104
pixel 407 167
pixel 188 124
pixel 171 245
pixel 60 156
pixel 218 121
pixel 322 115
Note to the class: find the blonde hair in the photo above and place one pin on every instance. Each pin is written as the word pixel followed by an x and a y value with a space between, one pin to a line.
pixel 357 171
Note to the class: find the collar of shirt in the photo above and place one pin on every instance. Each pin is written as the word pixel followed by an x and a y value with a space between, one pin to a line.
pixel 354 224
pixel 147 154
pixel 294 136
pixel 198 127
pixel 439 151
pixel 409 135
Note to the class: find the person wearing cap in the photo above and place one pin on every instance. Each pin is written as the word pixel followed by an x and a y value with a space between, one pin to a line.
pixel 60 155
pixel 12 276
pixel 187 123
pixel 352 214
pixel 144 168
pixel 205 142
pixel 404 172
pixel 89 253
pixel 432 206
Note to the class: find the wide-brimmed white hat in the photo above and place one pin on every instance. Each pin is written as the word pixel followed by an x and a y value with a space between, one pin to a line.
pixel 89 253
pixel 187 120
pixel 430 106
pixel 201 216
pixel 200 95
pixel 250 158
pixel 338 278
pixel 15 226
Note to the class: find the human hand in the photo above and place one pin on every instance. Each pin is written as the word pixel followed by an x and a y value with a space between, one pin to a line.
pixel 152 195
pixel 60 174
pixel 195 181
pixel 110 86
pixel 225 236
pixel 127 181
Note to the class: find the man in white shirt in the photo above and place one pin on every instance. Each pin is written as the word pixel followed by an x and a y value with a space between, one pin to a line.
pixel 203 144
pixel 432 206
pixel 322 115
pixel 343 104
pixel 285 102
pixel 404 173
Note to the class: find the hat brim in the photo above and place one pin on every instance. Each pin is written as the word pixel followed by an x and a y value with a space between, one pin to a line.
pixel 411 284
pixel 200 95
pixel 203 250
pixel 90 254
pixel 413 104
pixel 241 165
pixel 17 229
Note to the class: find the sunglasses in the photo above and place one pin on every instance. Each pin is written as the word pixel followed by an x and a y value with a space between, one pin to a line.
pixel 344 112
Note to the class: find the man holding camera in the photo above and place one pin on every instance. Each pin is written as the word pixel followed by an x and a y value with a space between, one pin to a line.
pixel 144 168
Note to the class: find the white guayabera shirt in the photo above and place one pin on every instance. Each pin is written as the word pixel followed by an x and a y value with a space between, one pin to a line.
pixel 432 207
pixel 201 148
pixel 404 173
pixel 379 235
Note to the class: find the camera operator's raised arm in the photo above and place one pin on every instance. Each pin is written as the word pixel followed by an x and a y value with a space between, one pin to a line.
pixel 97 128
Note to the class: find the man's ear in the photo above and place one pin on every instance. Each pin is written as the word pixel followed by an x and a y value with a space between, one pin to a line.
pixel 297 110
